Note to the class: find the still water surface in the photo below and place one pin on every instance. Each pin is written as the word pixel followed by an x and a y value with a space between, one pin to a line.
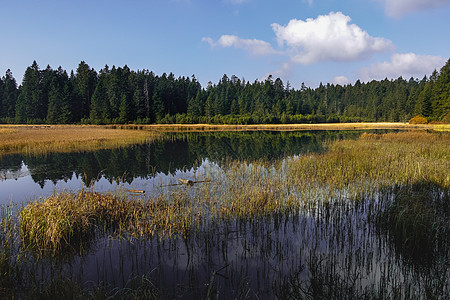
pixel 334 251
pixel 146 167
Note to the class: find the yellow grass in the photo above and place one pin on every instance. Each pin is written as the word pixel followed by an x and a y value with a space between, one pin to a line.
pixel 442 127
pixel 41 139
pixel 65 219
pixel 66 138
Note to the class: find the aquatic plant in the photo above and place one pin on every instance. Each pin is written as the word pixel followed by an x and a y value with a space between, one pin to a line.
pixel 9 271
pixel 417 220
pixel 67 220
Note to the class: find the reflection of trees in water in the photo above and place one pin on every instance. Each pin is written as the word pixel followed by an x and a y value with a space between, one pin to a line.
pixel 180 150
pixel 11 163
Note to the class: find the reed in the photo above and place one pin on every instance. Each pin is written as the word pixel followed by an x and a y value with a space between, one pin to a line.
pixel 67 221
pixel 69 288
pixel 417 220
pixel 9 274
pixel 65 138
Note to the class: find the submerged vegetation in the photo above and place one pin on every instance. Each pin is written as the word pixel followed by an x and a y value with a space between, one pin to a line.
pixel 418 220
pixel 398 182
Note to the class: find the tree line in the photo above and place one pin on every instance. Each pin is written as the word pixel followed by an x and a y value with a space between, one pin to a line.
pixel 121 95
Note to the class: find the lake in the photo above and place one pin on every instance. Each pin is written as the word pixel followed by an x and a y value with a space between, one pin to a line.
pixel 146 167
pixel 339 249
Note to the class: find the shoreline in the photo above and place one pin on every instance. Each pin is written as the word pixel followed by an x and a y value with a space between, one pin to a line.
pixel 278 127
pixel 238 127
pixel 39 139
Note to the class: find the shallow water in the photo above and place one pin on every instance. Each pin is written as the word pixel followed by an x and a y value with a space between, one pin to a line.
pixel 328 252
pixel 337 250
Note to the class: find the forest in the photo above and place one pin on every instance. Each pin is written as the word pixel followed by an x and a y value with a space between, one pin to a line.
pixel 121 95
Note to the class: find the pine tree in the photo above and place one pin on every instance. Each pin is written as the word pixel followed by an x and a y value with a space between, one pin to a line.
pixel 158 107
pixel 54 104
pixel 195 105
pixel 2 113
pixel 99 112
pixel 440 94
pixel 58 111
pixel 209 109
pixel 29 97
pixel 423 103
pixel 10 93
pixel 84 86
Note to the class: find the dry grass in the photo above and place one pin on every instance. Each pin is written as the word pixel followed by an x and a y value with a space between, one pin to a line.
pixel 64 138
pixel 41 139
pixel 441 127
pixel 68 220
pixel 392 158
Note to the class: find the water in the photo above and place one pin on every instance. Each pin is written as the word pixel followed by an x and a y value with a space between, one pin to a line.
pixel 146 167
pixel 337 251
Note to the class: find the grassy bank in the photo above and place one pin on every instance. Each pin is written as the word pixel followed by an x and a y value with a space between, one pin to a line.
pixel 40 139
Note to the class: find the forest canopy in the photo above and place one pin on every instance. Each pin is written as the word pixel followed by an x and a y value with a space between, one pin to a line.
pixel 121 95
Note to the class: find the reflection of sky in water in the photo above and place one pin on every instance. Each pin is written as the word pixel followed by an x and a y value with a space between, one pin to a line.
pixel 19 187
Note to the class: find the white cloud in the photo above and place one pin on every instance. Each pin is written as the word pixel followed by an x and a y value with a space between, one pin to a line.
pixel 406 65
pixel 398 8
pixel 341 80
pixel 254 46
pixel 328 38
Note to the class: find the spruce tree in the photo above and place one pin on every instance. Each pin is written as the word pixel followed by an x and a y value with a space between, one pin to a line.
pixel 29 97
pixel 2 113
pixel 10 93
pixel 84 86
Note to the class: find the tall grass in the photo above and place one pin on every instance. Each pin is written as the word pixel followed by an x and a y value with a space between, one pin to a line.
pixel 392 158
pixel 64 138
pixel 67 221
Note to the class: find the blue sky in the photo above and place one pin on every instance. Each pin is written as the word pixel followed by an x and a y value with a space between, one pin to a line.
pixel 311 41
